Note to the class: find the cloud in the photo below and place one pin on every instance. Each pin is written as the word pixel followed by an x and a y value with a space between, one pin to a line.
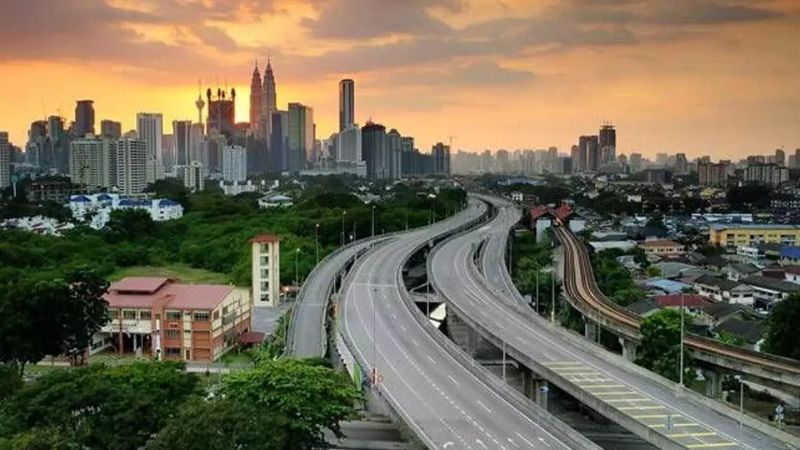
pixel 480 73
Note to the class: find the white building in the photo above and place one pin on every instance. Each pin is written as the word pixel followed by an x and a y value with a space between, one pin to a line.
pixel 266 266
pixel 5 161
pixel 92 162
pixel 240 188
pixel 97 208
pixel 149 128
pixel 234 163
pixel 274 201
pixel 194 177
pixel 131 160
pixel 348 145
pixel 37 224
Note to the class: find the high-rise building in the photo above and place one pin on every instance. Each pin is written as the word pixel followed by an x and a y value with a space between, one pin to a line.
pixel 92 162
pixel 181 141
pixel 348 144
pixel 221 113
pixel 37 147
pixel 607 144
pixel 234 163
pixel 346 104
pixel 131 161
pixel 266 269
pixel 681 164
pixel 769 174
pixel 57 151
pixel 373 150
pixel 278 142
pixel 268 102
pixel 255 103
pixel 394 149
pixel 407 167
pixel 194 177
pixel 301 137
pixel 710 174
pixel 588 154
pixel 84 118
pixel 635 162
pixel 5 161
pixel 110 129
pixel 441 159
pixel 780 156
pixel 149 128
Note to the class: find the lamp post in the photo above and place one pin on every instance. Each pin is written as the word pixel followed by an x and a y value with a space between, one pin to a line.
pixel 373 222
pixel 316 241
pixel 296 279
pixel 680 375
pixel 344 213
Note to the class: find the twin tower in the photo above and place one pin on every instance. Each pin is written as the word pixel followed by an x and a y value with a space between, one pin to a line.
pixel 262 102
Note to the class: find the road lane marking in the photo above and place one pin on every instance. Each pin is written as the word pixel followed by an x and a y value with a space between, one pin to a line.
pixel 680 435
pixel 483 406
pixel 713 445
pixel 641 408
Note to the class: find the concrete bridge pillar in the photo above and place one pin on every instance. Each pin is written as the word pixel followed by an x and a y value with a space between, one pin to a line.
pixel 713 383
pixel 589 329
pixel 472 342
pixel 628 349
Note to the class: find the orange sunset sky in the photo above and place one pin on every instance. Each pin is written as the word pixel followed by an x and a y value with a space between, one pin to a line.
pixel 718 77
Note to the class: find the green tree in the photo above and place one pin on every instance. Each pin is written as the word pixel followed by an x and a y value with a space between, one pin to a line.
pixel 659 349
pixel 130 224
pixel 51 438
pixel 223 425
pixel 85 312
pixel 10 380
pixel 312 397
pixel 782 337
pixel 115 408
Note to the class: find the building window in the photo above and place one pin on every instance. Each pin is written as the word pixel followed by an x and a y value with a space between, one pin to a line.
pixel 172 352
pixel 129 314
pixel 144 314
pixel 201 316
pixel 216 315
pixel 113 313
pixel 224 310
pixel 173 315
pixel 187 332
pixel 172 334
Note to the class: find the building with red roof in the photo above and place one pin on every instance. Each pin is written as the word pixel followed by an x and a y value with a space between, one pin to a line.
pixel 159 317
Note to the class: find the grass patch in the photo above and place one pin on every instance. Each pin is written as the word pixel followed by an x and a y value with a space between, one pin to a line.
pixel 180 272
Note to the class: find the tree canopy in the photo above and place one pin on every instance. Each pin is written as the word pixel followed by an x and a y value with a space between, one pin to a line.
pixel 659 349
pixel 782 337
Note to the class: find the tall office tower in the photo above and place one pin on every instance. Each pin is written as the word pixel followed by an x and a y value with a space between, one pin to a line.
pixel 255 103
pixel 84 118
pixel 348 145
pixel 268 101
pixel 662 159
pixel 221 113
pixel 681 164
pixel 37 143
pixel 769 174
pixel 607 144
pixel 301 137
pixel 407 167
pixel 181 141
pixel 92 162
pixel 193 177
pixel 797 159
pixel 196 141
pixel 574 154
pixel 552 154
pixel 110 129
pixel 234 163
pixel 780 156
pixel 635 162
pixel 394 149
pixel 710 174
pixel 373 150
pixel 588 154
pixel 278 142
pixel 168 149
pixel 149 128
pixel 131 160
pixel 5 161
pixel 57 146
pixel 441 159
pixel 346 104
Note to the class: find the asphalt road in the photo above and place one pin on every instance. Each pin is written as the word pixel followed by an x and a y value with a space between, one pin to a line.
pixel 446 405
pixel 494 309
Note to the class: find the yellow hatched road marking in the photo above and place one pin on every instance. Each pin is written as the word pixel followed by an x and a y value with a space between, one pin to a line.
pixel 623 400
pixel 652 416
pixel 600 385
pixel 681 424
pixel 680 435
pixel 562 363
pixel 612 393
pixel 713 445
pixel 568 370
pixel 633 408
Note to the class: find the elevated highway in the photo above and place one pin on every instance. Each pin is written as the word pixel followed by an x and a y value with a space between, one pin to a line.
pixel 440 393
pixel 645 404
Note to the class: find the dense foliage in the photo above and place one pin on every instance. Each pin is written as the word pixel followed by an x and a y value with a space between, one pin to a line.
pixel 613 279
pixel 659 350
pixel 782 337
pixel 531 264
pixel 215 230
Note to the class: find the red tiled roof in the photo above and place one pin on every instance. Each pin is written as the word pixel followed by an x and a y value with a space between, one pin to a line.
pixel 562 212
pixel 689 301
pixel 251 337
pixel 794 270
pixel 139 284
pixel 660 243
pixel 537 212
pixel 169 293
pixel 266 238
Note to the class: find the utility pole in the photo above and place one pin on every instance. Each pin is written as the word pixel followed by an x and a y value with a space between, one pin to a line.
pixel 553 296
pixel 316 241
pixel 296 279
pixel 343 235
pixel 680 375
pixel 373 221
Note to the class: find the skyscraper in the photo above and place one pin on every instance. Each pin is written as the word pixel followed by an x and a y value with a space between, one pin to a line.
pixel 394 149
pixel 84 118
pixel 92 162
pixel 301 136
pixel 193 178
pixel 5 161
pixel 131 161
pixel 111 129
pixel 373 150
pixel 221 113
pixel 441 159
pixel 57 146
pixel 348 144
pixel 607 143
pixel 181 141
pixel 278 142
pixel 234 163
pixel 268 101
pixel 588 154
pixel 346 104
pixel 780 156
pixel 149 128
pixel 255 103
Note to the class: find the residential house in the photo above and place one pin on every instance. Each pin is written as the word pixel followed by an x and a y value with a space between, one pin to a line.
pixel 738 271
pixel 790 255
pixel 716 313
pixel 724 290
pixel 691 302
pixel 748 331
pixel 792 274
pixel 644 307
pixel 768 290
pixel 662 247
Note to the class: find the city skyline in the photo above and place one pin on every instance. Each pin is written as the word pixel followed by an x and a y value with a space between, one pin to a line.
pixel 712 78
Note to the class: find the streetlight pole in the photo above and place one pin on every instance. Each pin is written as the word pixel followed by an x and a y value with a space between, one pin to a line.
pixel 296 279
pixel 343 214
pixel 680 375
pixel 740 379
pixel 553 296
pixel 316 241
pixel 373 221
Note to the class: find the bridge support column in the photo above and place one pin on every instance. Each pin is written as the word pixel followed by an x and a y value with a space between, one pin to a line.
pixel 527 382
pixel 472 342
pixel 713 383
pixel 628 349
pixel 589 329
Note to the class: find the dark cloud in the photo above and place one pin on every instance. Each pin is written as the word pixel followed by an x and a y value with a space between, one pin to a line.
pixel 709 12
pixel 363 19
pixel 482 73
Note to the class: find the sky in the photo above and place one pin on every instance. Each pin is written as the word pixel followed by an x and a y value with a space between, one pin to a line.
pixel 705 77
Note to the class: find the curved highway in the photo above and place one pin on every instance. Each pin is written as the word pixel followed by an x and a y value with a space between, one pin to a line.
pixel 444 402
pixel 613 387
